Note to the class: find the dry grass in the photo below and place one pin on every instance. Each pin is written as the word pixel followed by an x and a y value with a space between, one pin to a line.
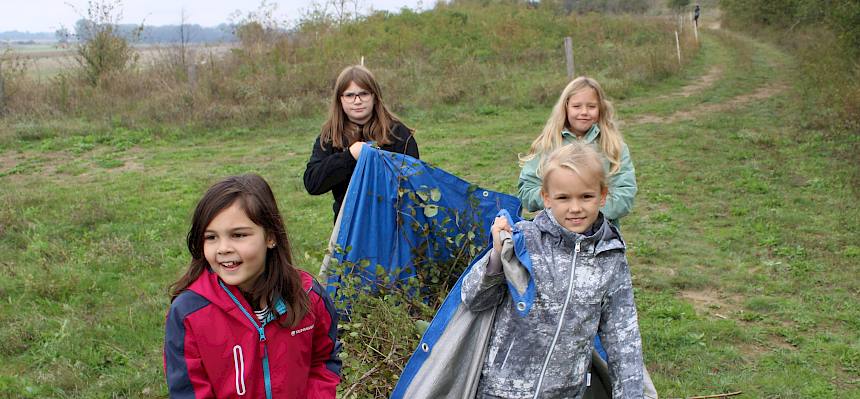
pixel 489 57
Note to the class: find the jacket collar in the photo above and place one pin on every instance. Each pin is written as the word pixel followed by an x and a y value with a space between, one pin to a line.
pixel 590 135
pixel 604 237
pixel 208 286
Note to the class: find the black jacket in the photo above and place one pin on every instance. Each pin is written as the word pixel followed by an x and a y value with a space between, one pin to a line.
pixel 330 169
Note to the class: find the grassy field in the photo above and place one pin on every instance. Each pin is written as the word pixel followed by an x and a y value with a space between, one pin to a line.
pixel 742 243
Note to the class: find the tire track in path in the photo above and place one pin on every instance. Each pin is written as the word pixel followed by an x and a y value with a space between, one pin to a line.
pixel 762 93
pixel 706 81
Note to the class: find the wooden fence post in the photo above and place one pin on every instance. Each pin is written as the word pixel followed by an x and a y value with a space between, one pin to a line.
pixel 696 31
pixel 568 55
pixel 678 46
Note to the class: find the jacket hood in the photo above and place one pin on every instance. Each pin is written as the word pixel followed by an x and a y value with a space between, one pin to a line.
pixel 603 235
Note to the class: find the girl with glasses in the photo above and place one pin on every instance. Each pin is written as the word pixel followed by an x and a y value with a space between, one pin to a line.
pixel 357 115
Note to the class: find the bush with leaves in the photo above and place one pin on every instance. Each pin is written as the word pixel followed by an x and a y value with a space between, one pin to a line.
pixel 101 50
pixel 389 310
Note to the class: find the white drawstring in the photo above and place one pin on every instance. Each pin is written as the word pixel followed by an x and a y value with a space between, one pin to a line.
pixel 239 364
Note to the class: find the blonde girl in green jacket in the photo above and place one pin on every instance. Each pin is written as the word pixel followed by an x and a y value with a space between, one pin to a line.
pixel 582 113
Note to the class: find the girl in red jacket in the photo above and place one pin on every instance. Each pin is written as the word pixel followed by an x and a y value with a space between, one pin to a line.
pixel 244 321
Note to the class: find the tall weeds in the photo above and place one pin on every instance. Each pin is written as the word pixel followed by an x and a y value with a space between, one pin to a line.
pixel 503 55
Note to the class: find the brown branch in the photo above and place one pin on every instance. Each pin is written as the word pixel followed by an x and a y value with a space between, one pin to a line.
pixel 369 372
pixel 358 382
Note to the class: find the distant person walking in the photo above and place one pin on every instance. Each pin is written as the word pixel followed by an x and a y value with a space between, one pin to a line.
pixel 357 116
pixel 696 12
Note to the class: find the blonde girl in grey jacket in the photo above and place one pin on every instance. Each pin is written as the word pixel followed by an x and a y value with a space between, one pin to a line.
pixel 582 288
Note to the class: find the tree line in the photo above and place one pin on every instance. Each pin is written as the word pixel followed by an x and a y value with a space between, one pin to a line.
pixel 189 33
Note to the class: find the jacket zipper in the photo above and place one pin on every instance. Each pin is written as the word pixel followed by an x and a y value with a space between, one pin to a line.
pixel 262 333
pixel 560 320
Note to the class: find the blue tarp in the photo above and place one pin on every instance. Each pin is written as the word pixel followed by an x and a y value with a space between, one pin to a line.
pixel 394 203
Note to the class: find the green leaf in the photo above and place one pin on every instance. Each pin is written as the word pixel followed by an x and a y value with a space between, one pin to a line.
pixel 421 326
pixel 431 210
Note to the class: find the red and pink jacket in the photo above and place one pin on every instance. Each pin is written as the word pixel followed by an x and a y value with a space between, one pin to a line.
pixel 215 347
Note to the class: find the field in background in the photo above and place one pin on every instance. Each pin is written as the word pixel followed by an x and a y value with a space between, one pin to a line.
pixel 46 61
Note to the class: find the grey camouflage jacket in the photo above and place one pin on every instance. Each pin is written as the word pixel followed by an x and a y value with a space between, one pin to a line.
pixel 583 288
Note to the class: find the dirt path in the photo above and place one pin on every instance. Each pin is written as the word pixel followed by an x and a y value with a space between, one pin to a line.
pixel 761 93
pixel 708 80
pixel 705 82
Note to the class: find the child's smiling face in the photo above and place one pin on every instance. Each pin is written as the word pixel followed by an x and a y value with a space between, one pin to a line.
pixel 235 247
pixel 583 111
pixel 573 200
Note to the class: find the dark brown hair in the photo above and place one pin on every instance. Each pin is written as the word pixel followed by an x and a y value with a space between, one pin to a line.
pixel 338 131
pixel 280 278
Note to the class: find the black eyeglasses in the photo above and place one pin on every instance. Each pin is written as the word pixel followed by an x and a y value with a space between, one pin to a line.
pixel 364 96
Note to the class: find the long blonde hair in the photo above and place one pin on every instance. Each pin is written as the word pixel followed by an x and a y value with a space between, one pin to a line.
pixel 339 131
pixel 610 141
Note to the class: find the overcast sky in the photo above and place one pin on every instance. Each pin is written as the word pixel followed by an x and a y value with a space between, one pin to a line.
pixel 48 15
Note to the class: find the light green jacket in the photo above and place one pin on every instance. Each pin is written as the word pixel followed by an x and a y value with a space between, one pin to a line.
pixel 622 185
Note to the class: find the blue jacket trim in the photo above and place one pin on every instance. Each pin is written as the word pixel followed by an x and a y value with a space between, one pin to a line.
pixel 528 297
pixel 333 363
pixel 185 304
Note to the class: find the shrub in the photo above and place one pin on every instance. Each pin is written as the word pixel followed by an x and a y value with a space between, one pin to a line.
pixel 100 50
pixel 387 312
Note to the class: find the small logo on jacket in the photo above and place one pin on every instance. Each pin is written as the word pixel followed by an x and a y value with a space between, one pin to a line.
pixel 301 330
